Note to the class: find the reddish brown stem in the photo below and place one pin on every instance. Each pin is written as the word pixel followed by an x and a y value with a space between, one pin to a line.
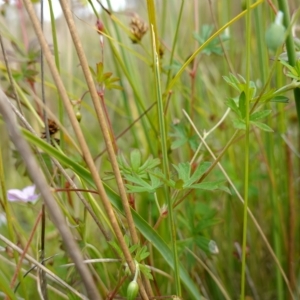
pixel 111 132
pixel 18 267
pixel 68 191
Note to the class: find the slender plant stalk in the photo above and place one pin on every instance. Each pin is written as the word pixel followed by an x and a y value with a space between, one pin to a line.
pixel 252 217
pixel 79 134
pixel 57 63
pixel 247 146
pixel 169 93
pixel 163 135
pixel 261 49
pixel 265 75
pixel 175 40
pixel 124 65
pixel 213 276
pixel 101 118
pixel 275 183
pixel 291 220
pixel 140 107
pixel 29 240
pixel 290 48
pixel 37 264
pixel 287 181
pixel 164 148
pixel 9 218
pixel 193 72
pixel 276 226
pixel 216 160
pixel 224 49
pixel 124 94
pixel 218 32
pixel 164 12
pixel 41 183
pixel 8 70
pixel 42 274
pixel 28 274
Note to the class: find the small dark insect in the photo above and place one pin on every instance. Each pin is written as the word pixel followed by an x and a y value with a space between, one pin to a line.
pixel 53 128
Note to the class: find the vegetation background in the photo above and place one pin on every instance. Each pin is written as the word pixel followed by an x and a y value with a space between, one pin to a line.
pixel 169 138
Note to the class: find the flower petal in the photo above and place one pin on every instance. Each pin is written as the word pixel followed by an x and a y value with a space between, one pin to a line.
pixel 15 195
pixel 32 198
pixel 25 195
pixel 29 190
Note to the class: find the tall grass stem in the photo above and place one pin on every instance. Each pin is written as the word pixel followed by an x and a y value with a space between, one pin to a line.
pixel 290 48
pixel 165 159
pixel 247 148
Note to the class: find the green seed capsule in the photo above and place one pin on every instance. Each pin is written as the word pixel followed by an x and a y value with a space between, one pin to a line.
pixel 78 116
pixel 132 290
pixel 275 34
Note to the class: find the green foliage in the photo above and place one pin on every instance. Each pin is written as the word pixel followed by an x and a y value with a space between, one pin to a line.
pixel 137 172
pixel 139 253
pixel 4 286
pixel 199 219
pixel 142 185
pixel 105 79
pixel 151 73
pixel 214 47
pixel 238 106
pixel 189 181
pixel 239 83
pixel 293 72
pixel 146 178
pixel 135 165
pixel 175 67
pixel 182 136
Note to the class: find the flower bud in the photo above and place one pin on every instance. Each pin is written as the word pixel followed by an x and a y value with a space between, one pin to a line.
pixel 275 34
pixel 99 27
pixel 132 290
pixel 78 116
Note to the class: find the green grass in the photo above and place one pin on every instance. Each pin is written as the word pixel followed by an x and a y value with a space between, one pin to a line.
pixel 178 151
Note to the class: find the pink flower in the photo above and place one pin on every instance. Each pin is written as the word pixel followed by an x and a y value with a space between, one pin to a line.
pixel 26 195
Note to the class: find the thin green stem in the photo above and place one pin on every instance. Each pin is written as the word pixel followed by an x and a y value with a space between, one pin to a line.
pixel 57 63
pixel 81 138
pixel 9 219
pixel 216 34
pixel 175 41
pixel 119 74
pixel 123 64
pixel 290 48
pixel 242 200
pixel 165 160
pixel 247 146
pixel 163 18
pixel 42 275
pixel 262 53
pixel 276 228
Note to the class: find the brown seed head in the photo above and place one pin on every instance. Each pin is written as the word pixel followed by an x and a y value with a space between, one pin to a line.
pixel 138 29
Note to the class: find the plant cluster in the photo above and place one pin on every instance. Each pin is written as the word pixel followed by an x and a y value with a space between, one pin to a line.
pixel 153 152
